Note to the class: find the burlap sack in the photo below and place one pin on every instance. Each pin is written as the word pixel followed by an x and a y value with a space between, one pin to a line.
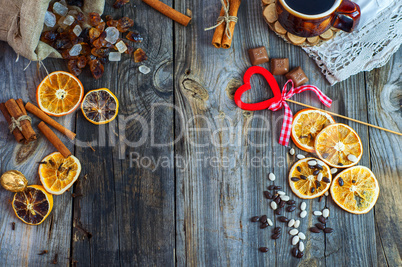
pixel 21 24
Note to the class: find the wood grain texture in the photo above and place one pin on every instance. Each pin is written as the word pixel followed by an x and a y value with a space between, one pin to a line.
pixel 222 234
pixel 22 246
pixel 384 93
pixel 355 238
pixel 128 208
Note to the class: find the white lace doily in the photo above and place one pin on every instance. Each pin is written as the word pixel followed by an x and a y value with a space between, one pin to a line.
pixel 370 46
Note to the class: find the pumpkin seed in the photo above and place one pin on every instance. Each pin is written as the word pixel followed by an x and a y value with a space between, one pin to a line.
pixel 292 151
pixel 325 213
pixel 303 214
pixel 281 193
pixel 301 246
pixel 291 222
pixel 312 162
pixel 319 162
pixel 295 240
pixel 293 232
pixel 301 235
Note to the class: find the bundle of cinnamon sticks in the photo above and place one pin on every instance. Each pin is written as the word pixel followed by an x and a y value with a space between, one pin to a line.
pixel 23 132
pixel 13 110
pixel 221 38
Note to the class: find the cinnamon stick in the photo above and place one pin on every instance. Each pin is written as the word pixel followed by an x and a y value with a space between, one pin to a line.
pixel 168 11
pixel 43 116
pixel 52 137
pixel 219 32
pixel 20 104
pixel 17 134
pixel 233 10
pixel 15 112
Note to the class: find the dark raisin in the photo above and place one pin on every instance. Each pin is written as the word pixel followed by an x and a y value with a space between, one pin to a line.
pixel 320 226
pixel 283 219
pixel 322 220
pixel 255 219
pixel 291 202
pixel 314 230
pixel 295 251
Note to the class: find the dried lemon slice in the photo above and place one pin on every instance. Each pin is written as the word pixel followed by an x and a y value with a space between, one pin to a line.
pixel 355 190
pixel 32 205
pixel 100 106
pixel 339 146
pixel 309 178
pixel 307 123
pixel 58 173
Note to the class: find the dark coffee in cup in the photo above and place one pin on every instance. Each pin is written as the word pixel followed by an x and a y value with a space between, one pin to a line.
pixel 308 18
pixel 310 7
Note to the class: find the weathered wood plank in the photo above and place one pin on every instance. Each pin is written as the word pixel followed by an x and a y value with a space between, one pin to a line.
pixel 22 246
pixel 354 242
pixel 384 92
pixel 214 204
pixel 128 206
pixel 212 201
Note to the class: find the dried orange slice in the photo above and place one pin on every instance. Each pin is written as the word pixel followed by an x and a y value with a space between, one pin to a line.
pixel 59 94
pixel 58 173
pixel 339 146
pixel 309 181
pixel 355 190
pixel 100 106
pixel 32 205
pixel 307 123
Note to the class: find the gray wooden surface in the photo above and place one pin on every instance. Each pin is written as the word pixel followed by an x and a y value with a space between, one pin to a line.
pixel 193 209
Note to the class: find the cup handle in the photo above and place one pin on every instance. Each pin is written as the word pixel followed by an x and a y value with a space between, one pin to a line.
pixel 347 16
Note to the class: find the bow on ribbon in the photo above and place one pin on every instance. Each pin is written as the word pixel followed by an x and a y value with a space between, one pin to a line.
pixel 279 99
pixel 288 119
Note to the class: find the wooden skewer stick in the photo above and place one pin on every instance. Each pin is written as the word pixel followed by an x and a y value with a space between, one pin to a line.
pixel 343 117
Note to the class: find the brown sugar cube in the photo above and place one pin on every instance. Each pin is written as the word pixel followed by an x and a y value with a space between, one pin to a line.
pixel 258 55
pixel 279 66
pixel 298 76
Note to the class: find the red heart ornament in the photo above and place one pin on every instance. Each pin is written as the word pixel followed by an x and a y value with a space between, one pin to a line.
pixel 247 86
